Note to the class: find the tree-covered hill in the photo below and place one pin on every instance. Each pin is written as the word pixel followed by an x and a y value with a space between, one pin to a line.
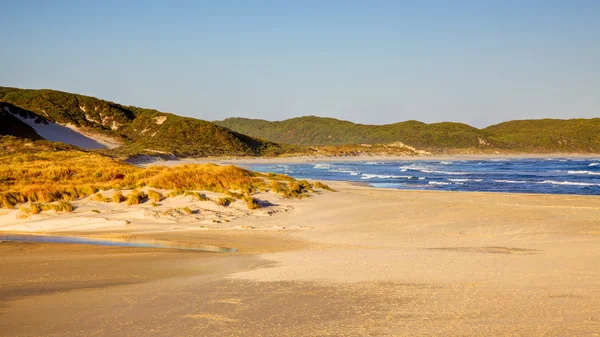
pixel 133 130
pixel 524 136
pixel 547 135
pixel 317 131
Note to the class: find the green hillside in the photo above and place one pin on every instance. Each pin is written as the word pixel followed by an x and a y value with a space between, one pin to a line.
pixel 317 131
pixel 138 130
pixel 530 136
pixel 547 135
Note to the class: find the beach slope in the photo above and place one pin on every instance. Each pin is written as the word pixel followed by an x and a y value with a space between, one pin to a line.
pixel 359 261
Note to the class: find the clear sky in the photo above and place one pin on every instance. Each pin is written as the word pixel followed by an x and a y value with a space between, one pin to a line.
pixel 478 62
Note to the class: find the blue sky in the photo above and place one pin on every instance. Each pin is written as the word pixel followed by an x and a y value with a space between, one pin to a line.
pixel 478 62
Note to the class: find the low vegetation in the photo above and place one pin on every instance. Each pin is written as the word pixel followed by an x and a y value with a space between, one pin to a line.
pixel 140 131
pixel 148 132
pixel 36 208
pixel 251 202
pixel 67 174
pixel 224 201
pixel 135 198
pixel 322 186
pixel 154 196
pixel 99 197
pixel 196 196
pixel 328 136
pixel 117 197
pixel 318 131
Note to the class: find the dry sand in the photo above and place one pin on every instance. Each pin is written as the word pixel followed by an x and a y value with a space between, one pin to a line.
pixel 358 262
pixel 150 160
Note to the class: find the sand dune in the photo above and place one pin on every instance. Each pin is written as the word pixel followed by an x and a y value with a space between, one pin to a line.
pixel 67 134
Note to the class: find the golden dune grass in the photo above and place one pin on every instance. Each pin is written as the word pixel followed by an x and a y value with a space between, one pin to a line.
pixel 46 177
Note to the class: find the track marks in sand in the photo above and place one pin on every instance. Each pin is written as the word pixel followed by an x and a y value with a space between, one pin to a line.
pixel 491 250
pixel 213 318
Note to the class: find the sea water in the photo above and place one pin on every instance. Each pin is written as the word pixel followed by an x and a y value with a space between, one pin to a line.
pixel 115 242
pixel 550 176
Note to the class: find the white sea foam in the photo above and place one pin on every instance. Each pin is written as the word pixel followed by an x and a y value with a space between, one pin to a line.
pixel 414 167
pixel 511 181
pixel 584 172
pixel 352 173
pixel 373 163
pixel 593 164
pixel 427 169
pixel 446 162
pixel 438 183
pixel 465 180
pixel 322 166
pixel 382 176
pixel 574 183
pixel 444 172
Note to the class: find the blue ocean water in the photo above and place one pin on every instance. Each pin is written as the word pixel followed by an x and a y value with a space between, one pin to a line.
pixel 550 176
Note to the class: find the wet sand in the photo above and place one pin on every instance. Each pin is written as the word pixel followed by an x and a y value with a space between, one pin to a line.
pixel 367 262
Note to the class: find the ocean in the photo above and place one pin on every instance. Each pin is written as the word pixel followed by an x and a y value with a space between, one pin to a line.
pixel 548 176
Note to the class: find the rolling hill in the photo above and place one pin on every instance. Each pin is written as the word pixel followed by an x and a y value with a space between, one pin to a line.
pixel 126 131
pixel 92 123
pixel 522 136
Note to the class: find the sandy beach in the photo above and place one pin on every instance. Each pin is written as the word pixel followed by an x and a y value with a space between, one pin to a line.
pixel 357 262
pixel 150 160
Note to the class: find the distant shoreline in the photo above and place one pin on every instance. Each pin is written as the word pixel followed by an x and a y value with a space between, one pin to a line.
pixel 320 159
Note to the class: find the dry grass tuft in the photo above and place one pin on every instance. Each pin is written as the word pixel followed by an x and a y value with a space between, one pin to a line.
pixel 117 197
pixel 36 208
pixel 322 186
pixel 251 202
pixel 224 201
pixel 234 195
pixel 135 198
pixel 176 192
pixel 154 195
pixel 196 195
pixel 99 197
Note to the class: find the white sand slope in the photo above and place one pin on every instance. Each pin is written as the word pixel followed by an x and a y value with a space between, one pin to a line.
pixel 66 134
